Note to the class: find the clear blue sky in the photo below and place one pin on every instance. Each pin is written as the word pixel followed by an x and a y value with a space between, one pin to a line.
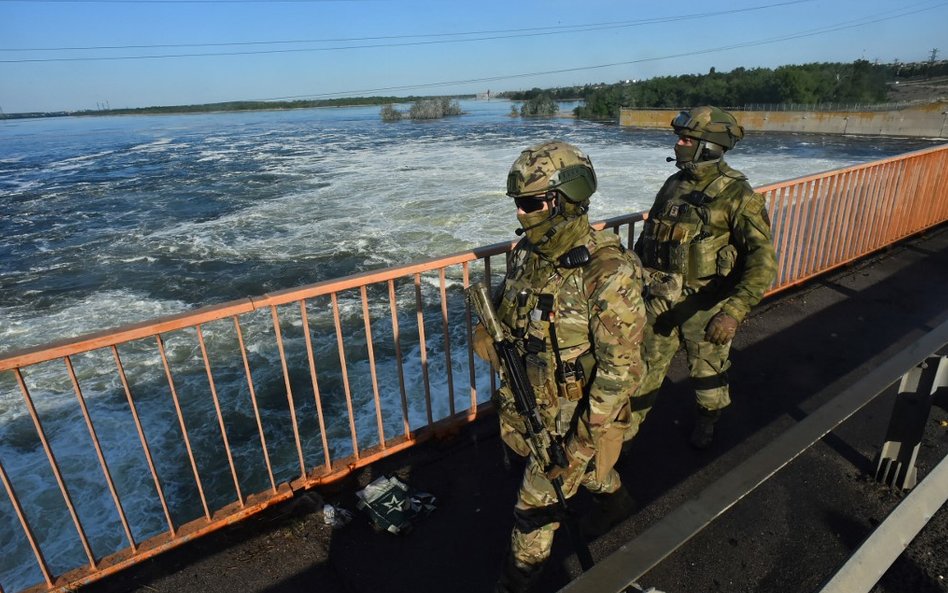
pixel 475 46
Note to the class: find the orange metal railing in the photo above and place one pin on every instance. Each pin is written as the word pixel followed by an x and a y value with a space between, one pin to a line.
pixel 237 406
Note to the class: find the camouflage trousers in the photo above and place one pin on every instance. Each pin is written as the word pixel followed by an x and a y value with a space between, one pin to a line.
pixel 669 326
pixel 532 538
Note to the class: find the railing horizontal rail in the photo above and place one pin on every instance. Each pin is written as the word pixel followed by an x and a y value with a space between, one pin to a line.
pixel 232 407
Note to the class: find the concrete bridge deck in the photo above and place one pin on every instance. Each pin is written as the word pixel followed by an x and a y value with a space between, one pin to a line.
pixel 791 534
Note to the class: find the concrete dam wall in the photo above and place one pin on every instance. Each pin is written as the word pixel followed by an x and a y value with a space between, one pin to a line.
pixel 926 121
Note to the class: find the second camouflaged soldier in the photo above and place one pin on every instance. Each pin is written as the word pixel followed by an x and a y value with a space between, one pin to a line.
pixel 707 237
pixel 583 365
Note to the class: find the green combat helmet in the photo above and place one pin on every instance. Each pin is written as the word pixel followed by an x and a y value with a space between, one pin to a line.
pixel 546 173
pixel 715 129
pixel 553 165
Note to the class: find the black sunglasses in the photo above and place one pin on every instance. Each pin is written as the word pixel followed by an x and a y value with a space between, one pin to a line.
pixel 533 203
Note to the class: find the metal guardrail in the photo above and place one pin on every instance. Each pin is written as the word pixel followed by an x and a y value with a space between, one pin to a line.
pixel 828 107
pixel 239 405
pixel 622 568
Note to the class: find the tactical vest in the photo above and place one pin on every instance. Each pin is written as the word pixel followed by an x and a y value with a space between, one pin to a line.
pixel 679 239
pixel 533 288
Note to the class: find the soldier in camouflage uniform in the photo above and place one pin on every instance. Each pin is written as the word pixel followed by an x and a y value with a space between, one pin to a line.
pixel 706 246
pixel 584 365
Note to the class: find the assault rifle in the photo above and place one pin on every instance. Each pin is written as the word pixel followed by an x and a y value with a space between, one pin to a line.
pixel 547 450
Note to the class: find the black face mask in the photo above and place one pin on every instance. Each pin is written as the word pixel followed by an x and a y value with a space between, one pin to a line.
pixel 687 154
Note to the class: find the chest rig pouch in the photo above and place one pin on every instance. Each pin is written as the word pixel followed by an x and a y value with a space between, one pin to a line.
pixel 681 240
pixel 530 313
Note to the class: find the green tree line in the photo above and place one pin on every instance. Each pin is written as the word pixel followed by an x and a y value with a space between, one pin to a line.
pixel 859 82
pixel 258 105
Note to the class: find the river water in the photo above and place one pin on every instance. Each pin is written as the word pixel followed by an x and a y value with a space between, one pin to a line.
pixel 113 220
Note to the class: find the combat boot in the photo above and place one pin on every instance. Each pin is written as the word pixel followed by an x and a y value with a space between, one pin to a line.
pixel 517 579
pixel 703 433
pixel 608 510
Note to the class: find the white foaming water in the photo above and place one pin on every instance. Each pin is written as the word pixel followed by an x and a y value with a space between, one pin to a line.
pixel 109 221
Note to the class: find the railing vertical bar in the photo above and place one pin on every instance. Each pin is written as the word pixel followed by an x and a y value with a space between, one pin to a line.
pixel 801 204
pixel 27 530
pixel 820 205
pixel 55 467
pixel 942 197
pixel 903 190
pixel 853 217
pixel 786 239
pixel 839 238
pixel 396 338
pixel 784 225
pixel 447 342
pixel 345 374
pixel 184 430
pixel 870 206
pixel 924 200
pixel 423 347
pixel 858 219
pixel 932 205
pixel 98 451
pixel 877 201
pixel 896 201
pixel 893 172
pixel 806 231
pixel 220 415
pixel 918 184
pixel 873 205
pixel 143 440
pixel 289 388
pixel 839 203
pixel 828 201
pixel 813 240
pixel 865 210
pixel 917 198
pixel 311 355
pixel 927 201
pixel 828 236
pixel 892 202
pixel 472 412
pixel 371 350
pixel 253 403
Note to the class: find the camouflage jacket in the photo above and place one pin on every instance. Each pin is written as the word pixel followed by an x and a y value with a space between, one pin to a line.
pixel 599 318
pixel 712 228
